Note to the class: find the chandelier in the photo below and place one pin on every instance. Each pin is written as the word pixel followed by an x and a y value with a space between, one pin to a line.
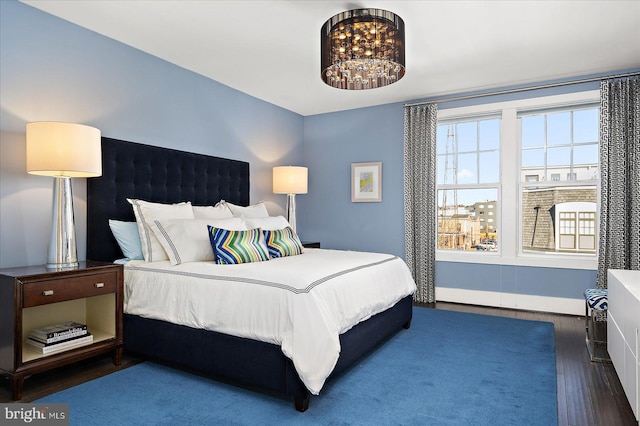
pixel 362 49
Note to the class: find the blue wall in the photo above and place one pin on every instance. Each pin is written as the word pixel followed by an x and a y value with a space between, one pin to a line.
pixel 331 143
pixel 52 70
pixel 525 280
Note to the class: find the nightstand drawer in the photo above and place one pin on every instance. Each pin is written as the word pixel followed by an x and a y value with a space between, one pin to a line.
pixel 68 288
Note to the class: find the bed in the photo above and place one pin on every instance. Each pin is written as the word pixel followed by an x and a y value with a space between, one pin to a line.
pixel 156 174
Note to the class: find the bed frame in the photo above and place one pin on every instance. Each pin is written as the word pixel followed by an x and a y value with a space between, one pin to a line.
pixel 131 170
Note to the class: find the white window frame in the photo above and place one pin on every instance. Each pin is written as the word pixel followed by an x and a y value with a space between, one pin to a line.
pixel 509 194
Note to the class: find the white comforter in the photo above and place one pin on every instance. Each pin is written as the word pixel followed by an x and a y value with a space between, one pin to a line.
pixel 301 303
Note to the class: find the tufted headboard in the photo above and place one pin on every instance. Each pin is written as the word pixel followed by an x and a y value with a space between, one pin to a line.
pixel 162 175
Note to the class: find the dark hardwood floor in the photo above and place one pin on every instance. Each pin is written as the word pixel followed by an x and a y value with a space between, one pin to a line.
pixel 589 393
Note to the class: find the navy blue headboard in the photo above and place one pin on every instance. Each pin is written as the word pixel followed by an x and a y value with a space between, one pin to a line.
pixel 162 175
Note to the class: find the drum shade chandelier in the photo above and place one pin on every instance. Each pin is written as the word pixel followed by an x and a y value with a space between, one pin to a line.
pixel 362 49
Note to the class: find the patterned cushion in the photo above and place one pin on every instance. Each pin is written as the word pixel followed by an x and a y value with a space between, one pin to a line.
pixel 597 298
pixel 283 242
pixel 233 247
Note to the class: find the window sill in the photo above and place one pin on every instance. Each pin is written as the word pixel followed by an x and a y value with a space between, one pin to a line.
pixel 564 261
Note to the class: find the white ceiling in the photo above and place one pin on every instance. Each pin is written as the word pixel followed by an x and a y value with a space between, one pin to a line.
pixel 271 49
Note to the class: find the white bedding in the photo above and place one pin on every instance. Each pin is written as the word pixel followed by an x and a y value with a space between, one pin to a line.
pixel 301 303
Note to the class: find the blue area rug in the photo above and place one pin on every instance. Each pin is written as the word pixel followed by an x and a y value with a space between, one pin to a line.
pixel 449 368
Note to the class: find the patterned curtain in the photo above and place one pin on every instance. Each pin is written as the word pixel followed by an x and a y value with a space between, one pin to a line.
pixel 420 227
pixel 620 176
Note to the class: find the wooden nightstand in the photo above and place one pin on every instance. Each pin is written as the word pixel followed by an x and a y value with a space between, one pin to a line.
pixel 34 296
pixel 311 244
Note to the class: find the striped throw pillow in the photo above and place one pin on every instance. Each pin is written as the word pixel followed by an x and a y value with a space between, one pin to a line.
pixel 283 242
pixel 234 247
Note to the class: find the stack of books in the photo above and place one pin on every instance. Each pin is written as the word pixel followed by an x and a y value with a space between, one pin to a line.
pixel 59 336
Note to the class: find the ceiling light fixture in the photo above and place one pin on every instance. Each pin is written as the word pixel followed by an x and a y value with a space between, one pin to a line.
pixel 362 49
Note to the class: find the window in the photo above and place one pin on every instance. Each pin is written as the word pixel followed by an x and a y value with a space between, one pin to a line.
pixel 567 230
pixel 577 229
pixel 587 230
pixel 531 162
pixel 555 143
pixel 468 153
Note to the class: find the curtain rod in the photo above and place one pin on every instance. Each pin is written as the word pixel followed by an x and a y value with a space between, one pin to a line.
pixel 522 89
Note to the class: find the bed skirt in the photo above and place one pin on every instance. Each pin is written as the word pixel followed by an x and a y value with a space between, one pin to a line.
pixel 251 362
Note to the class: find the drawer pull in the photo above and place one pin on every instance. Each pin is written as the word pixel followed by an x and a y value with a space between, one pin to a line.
pixel 47 293
pixel 98 285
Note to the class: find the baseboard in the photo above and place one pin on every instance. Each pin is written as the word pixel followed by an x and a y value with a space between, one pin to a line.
pixel 559 305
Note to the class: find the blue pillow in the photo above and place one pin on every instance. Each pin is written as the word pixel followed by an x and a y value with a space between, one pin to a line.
pixel 233 247
pixel 127 237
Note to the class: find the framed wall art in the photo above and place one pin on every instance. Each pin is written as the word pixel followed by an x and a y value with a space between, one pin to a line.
pixel 366 182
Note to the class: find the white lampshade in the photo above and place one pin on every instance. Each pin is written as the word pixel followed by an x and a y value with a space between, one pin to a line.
pixel 290 180
pixel 63 149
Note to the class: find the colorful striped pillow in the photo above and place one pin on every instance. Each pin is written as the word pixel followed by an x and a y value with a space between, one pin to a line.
pixel 233 247
pixel 283 242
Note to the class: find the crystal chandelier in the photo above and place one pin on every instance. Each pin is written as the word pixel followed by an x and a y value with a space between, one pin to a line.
pixel 362 49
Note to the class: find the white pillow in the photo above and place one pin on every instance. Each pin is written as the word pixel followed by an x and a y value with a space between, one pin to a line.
pixel 255 210
pixel 146 213
pixel 187 240
pixel 272 223
pixel 219 211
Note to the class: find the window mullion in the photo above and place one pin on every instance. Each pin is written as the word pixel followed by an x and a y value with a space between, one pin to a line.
pixel 508 196
pixel 571 143
pixel 546 149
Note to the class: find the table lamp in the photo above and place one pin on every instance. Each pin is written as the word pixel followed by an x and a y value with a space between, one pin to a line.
pixel 290 180
pixel 64 151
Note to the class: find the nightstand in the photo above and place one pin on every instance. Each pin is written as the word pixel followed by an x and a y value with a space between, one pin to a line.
pixel 34 296
pixel 311 244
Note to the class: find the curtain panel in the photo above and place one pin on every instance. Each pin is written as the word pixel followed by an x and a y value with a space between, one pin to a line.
pixel 619 245
pixel 420 123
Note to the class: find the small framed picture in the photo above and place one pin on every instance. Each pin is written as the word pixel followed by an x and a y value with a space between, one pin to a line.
pixel 366 182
